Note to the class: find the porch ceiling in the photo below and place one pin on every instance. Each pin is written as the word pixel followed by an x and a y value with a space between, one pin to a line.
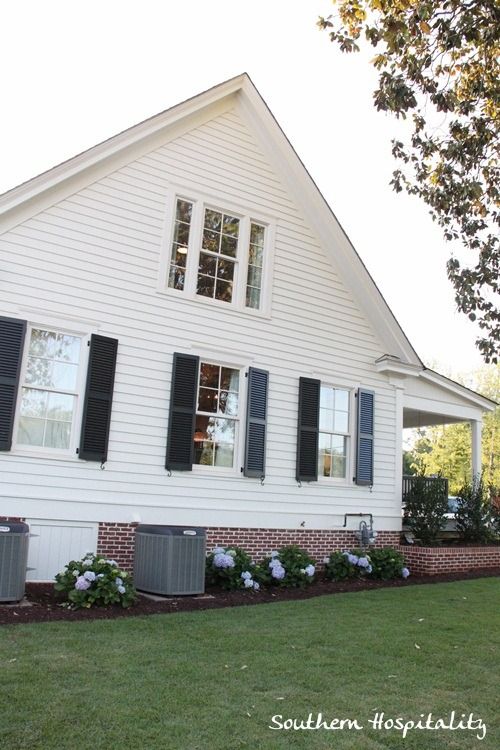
pixel 418 418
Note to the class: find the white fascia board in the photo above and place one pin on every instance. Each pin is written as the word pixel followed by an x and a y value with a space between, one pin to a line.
pixel 451 386
pixel 323 222
pixel 66 178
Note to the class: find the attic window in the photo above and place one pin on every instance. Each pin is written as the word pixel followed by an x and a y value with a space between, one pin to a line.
pixel 218 254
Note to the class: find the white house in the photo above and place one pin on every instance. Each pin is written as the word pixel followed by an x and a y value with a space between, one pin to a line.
pixel 187 336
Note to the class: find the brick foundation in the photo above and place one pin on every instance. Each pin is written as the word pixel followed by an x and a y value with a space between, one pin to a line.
pixel 429 561
pixel 116 541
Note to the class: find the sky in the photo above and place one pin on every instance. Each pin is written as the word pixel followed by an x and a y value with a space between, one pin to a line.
pixel 76 73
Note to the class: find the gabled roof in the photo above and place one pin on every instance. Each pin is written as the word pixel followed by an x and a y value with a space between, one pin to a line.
pixel 42 191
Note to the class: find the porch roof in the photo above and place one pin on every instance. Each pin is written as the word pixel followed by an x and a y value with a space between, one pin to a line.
pixel 431 398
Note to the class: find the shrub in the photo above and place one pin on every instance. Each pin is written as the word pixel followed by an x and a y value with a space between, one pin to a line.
pixel 387 563
pixel 382 563
pixel 342 565
pixel 231 568
pixel 290 567
pixel 425 507
pixel 94 581
pixel 475 514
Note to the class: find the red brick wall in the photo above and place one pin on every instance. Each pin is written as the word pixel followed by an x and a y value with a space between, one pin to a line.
pixel 318 542
pixel 116 541
pixel 433 560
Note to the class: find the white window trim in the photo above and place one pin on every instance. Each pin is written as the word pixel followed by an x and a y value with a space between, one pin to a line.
pixel 33 451
pixel 349 463
pixel 239 439
pixel 200 202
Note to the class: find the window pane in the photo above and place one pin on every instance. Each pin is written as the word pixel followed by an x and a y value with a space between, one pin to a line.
pixel 341 400
pixel 224 291
pixel 229 246
pixel 228 403
pixel 207 265
pixel 60 406
pixel 68 348
pixel 42 344
pixel 207 400
pixel 326 398
pixel 64 376
pixel 204 453
pixel 257 235
pixel 253 298
pixel 213 219
pixel 231 225
pixel 205 286
pixel 341 421
pixel 184 210
pixel 33 403
pixel 181 233
pixel 230 379
pixel 255 256
pixel 211 241
pixel 338 467
pixel 224 455
pixel 324 460
pixel 57 434
pixel 254 276
pixel 326 420
pixel 338 445
pixel 39 371
pixel 222 430
pixel 176 277
pixel 209 375
pixel 225 269
pixel 30 431
pixel 179 255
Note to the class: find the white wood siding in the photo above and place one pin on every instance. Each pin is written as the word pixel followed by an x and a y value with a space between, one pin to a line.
pixel 95 257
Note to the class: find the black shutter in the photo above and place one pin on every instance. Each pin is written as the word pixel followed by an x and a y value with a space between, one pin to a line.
pixel 255 448
pixel 364 455
pixel 180 441
pixel 308 430
pixel 12 333
pixel 98 399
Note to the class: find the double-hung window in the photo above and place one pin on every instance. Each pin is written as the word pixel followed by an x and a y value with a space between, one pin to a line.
pixel 49 390
pixel 334 432
pixel 217 416
pixel 217 253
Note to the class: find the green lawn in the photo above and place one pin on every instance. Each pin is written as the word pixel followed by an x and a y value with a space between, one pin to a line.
pixel 213 680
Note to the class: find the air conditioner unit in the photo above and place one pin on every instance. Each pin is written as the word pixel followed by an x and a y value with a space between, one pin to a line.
pixel 170 560
pixel 14 540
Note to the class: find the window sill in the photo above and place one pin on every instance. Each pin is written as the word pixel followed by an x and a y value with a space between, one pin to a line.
pixel 246 312
pixel 50 456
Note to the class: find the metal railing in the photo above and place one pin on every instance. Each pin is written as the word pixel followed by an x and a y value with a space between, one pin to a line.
pixel 409 482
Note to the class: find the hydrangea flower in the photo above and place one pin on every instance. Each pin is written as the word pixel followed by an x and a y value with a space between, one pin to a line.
pixel 86 563
pixel 369 569
pixel 326 560
pixel 121 589
pixel 82 584
pixel 309 571
pixel 275 564
pixel 231 552
pixel 223 561
pixel 353 559
pixel 89 575
pixel 111 562
pixel 278 572
pixel 363 562
pixel 218 550
pixel 118 581
pixel 275 554
pixel 256 586
pixel 76 573
pixel 246 575
pixel 405 572
pixel 100 575
pixel 248 583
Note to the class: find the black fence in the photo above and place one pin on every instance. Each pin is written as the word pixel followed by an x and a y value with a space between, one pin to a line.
pixel 408 483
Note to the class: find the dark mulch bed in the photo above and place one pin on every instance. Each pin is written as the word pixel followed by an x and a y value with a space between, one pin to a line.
pixel 45 606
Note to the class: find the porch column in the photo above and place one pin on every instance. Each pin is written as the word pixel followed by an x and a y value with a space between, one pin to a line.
pixel 476 429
